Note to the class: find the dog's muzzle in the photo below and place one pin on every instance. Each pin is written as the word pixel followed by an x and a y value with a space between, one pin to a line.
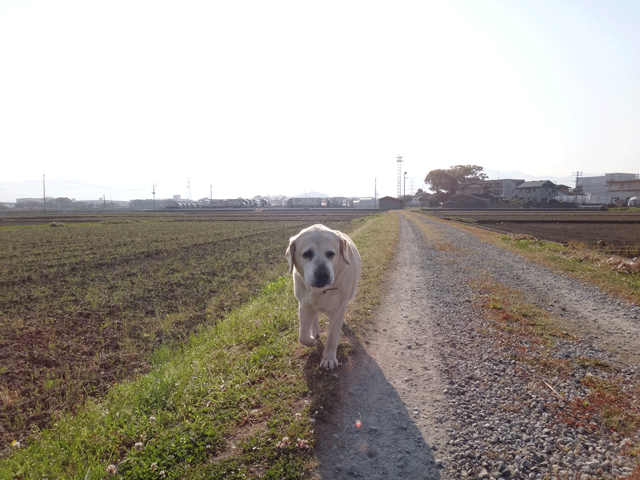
pixel 321 276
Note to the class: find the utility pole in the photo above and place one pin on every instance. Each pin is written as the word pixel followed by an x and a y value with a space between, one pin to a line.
pixel 188 188
pixel 154 196
pixel 404 194
pixel 578 175
pixel 375 192
pixel 399 162
pixel 44 194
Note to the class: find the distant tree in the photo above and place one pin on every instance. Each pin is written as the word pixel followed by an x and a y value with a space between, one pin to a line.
pixel 446 181
pixel 406 199
pixel 441 181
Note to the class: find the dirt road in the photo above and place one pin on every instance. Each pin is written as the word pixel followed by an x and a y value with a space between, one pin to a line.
pixel 432 393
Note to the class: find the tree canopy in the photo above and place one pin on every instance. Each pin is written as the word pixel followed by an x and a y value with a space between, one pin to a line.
pixel 446 180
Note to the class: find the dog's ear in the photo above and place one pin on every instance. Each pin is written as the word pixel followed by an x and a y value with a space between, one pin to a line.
pixel 291 251
pixel 345 249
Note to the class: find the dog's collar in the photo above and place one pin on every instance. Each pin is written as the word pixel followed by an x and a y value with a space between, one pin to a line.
pixel 328 289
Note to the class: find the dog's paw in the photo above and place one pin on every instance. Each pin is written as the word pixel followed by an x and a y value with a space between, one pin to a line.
pixel 308 342
pixel 329 363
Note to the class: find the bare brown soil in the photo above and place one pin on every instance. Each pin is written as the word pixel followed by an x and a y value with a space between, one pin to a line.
pixel 619 234
pixel 312 215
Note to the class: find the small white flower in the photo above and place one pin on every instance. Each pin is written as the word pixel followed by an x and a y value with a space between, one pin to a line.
pixel 302 444
pixel 152 418
pixel 112 469
pixel 285 442
pixel 16 444
pixel 138 446
pixel 154 466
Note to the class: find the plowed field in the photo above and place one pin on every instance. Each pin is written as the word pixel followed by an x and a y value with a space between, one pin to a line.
pixel 84 301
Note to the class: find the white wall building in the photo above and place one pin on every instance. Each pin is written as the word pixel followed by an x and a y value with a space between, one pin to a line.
pixel 596 188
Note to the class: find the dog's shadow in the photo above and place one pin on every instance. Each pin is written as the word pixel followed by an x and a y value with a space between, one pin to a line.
pixel 363 428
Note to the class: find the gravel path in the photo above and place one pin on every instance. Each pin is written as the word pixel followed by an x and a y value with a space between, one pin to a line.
pixel 433 393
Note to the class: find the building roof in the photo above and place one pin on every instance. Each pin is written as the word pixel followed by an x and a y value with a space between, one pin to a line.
pixel 536 184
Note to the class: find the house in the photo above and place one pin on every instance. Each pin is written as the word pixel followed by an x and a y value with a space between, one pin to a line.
pixel 503 188
pixel 491 189
pixel 539 191
pixel 389 203
pixel 365 202
pixel 472 188
pixel 565 190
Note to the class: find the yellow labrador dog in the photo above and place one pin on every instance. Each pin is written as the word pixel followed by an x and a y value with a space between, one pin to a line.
pixel 326 268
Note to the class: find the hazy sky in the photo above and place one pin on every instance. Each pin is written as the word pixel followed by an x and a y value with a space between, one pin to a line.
pixel 282 97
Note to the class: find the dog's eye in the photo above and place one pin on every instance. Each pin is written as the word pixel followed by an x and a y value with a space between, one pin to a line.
pixel 308 255
pixel 330 255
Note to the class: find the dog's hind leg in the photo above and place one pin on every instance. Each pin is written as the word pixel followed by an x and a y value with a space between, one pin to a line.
pixel 308 326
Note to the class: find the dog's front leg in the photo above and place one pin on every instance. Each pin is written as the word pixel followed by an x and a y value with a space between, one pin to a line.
pixel 329 357
pixel 308 326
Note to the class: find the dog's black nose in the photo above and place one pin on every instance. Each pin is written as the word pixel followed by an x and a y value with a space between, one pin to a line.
pixel 322 277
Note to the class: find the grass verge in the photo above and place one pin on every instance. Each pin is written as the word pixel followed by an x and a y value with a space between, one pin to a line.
pixel 238 400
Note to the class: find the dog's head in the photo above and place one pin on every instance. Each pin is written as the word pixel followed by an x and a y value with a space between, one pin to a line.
pixel 316 253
